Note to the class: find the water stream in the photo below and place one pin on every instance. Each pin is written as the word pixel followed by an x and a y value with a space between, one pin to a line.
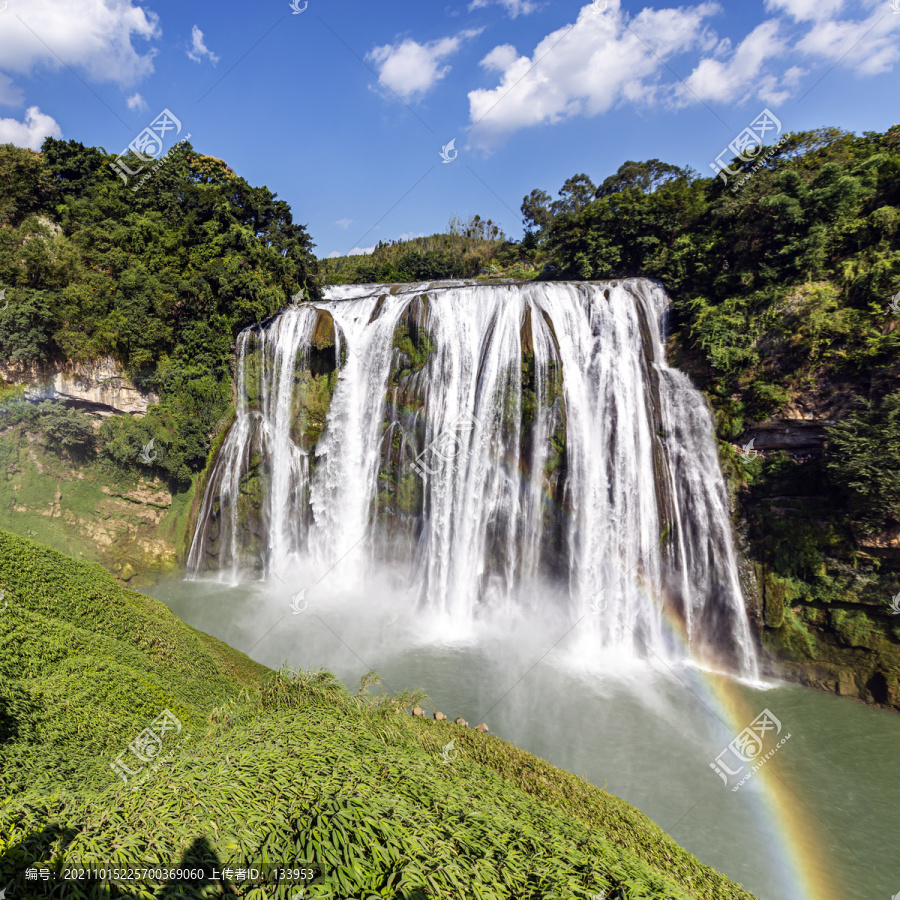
pixel 503 495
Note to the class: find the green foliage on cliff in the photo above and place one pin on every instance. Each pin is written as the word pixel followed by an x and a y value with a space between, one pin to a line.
pixel 162 278
pixel 284 767
pixel 864 458
pixel 779 281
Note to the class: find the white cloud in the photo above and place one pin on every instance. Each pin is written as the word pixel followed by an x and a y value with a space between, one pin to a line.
pixel 411 69
pixel 344 223
pixel 136 101
pixel 356 251
pixel 92 35
pixel 860 46
pixel 585 69
pixel 743 75
pixel 199 49
pixel 31 132
pixel 806 10
pixel 513 7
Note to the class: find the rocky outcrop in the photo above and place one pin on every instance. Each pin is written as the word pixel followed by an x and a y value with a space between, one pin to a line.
pixel 99 386
pixel 792 435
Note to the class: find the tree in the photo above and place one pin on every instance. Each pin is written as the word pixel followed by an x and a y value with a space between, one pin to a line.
pixel 575 194
pixel 536 213
pixel 645 176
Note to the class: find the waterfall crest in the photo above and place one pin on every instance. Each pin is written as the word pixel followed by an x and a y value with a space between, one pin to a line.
pixel 501 447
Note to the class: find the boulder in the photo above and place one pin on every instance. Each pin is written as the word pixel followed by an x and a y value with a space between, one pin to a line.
pixel 462 721
pixel 418 712
pixel 440 717
pixel 482 728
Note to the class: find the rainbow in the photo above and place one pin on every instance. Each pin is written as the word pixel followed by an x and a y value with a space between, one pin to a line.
pixel 795 836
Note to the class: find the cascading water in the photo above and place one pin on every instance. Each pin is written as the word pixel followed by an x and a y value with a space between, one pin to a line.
pixel 501 447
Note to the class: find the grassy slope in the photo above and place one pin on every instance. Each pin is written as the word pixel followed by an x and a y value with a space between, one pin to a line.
pixel 283 766
pixel 126 521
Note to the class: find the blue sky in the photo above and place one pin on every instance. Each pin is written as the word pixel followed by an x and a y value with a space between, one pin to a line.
pixel 343 109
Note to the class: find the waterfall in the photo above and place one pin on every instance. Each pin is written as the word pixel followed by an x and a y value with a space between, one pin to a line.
pixel 501 447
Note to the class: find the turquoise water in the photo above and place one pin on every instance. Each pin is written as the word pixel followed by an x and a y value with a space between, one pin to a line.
pixel 646 731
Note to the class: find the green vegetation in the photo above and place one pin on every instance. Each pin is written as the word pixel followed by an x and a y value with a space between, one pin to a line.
pixel 162 279
pixel 471 248
pixel 276 766
pixel 57 488
pixel 864 458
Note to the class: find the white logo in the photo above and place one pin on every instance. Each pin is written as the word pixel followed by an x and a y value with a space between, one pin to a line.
pixel 747 451
pixel 4 7
pixel 600 896
pixel 145 456
pixel 895 6
pixel 147 744
pixel 447 445
pixel 295 6
pixel 597 8
pixel 748 143
pixel 449 749
pixel 598 603
pixel 2 595
pixel 893 309
pixel 895 605
pixel 148 145
pixel 295 602
pixel 295 300
pixel 451 149
pixel 3 292
pixel 747 747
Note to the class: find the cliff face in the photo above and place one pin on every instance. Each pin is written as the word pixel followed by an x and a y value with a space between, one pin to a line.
pixel 98 386
pixel 818 592
pixel 132 525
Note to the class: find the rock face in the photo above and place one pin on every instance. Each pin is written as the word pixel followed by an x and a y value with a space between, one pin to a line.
pixel 792 435
pixel 99 386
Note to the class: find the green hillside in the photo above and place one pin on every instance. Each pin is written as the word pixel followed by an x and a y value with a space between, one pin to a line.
pixel 267 767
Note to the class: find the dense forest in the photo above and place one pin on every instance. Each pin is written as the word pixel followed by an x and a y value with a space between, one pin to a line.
pixel 161 279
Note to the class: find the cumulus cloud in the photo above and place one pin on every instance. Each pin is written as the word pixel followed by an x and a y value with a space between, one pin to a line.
pixel 136 101
pixel 608 58
pixel 344 223
pixel 92 35
pixel 513 7
pixel 199 49
pixel 806 10
pixel 861 46
pixel 411 69
pixel 584 69
pixel 31 132
pixel 743 74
